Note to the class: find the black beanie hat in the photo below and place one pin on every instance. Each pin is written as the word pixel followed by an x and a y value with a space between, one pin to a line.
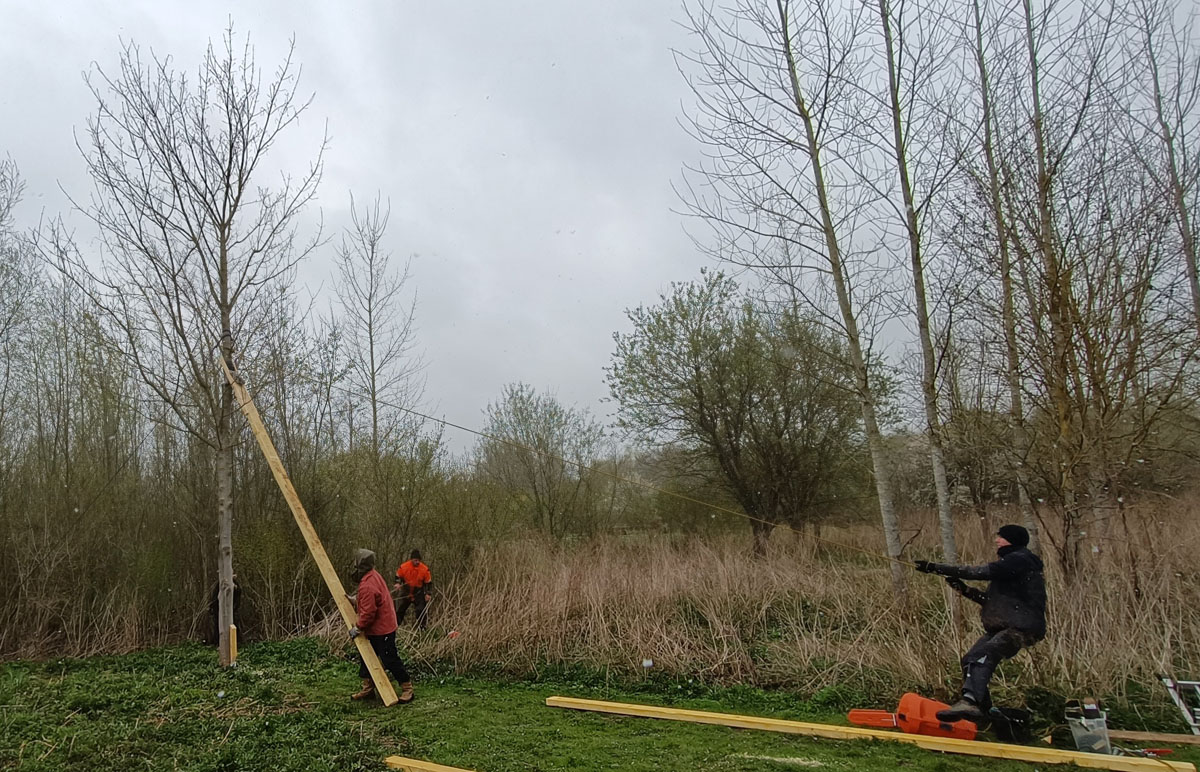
pixel 1014 534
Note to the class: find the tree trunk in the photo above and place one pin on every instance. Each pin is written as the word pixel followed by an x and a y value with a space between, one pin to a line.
pixel 1016 412
pixel 762 532
pixel 879 463
pixel 929 365
pixel 1058 290
pixel 225 516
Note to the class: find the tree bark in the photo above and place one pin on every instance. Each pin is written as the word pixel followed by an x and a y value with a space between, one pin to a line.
pixel 879 462
pixel 933 421
pixel 1016 413
pixel 225 510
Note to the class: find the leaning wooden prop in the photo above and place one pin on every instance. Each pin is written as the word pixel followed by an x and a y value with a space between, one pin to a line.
pixel 383 684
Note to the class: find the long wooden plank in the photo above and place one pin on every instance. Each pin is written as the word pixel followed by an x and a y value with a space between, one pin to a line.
pixel 415 765
pixel 383 685
pixel 945 744
pixel 1154 737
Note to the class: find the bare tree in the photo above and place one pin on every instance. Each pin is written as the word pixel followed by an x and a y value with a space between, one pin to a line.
pixel 18 281
pixel 379 326
pixel 1016 412
pixel 913 43
pixel 780 111
pixel 1170 117
pixel 192 239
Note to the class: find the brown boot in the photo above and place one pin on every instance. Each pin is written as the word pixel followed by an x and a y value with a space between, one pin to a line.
pixel 368 689
pixel 406 693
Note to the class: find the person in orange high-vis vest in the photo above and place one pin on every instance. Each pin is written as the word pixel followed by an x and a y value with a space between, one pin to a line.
pixel 414 584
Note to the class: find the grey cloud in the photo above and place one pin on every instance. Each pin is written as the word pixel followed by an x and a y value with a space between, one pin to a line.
pixel 527 150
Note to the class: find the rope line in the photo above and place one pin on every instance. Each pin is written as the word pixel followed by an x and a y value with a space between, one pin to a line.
pixel 637 483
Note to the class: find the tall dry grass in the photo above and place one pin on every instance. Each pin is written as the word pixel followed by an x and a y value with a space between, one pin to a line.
pixel 808 615
pixel 811 614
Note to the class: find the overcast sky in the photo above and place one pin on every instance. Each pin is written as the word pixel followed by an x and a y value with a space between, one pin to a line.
pixel 527 148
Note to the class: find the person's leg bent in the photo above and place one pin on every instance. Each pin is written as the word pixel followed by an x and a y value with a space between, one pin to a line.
pixel 980 663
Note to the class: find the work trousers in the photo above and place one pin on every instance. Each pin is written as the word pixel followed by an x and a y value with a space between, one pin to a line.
pixel 981 661
pixel 417 601
pixel 385 649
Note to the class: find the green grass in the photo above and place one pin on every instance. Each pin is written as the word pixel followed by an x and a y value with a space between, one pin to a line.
pixel 286 708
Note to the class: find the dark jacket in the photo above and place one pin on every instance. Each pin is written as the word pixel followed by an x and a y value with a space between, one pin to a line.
pixel 1016 596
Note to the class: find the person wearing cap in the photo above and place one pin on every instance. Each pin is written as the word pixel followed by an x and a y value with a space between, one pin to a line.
pixel 377 621
pixel 414 584
pixel 1013 611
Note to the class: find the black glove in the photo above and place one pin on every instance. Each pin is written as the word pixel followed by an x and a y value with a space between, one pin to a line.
pixel 957 584
pixel 926 566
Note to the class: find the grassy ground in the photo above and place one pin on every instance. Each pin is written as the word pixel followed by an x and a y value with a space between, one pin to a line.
pixel 285 708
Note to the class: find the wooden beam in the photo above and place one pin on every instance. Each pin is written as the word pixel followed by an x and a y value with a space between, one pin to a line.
pixel 383 684
pixel 413 765
pixel 944 744
pixel 1154 737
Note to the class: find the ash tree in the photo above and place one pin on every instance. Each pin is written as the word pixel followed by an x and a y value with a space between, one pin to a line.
pixel 763 395
pixel 194 242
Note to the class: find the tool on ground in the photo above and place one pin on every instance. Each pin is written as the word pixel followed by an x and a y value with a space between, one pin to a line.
pixel 1145 753
pixel 1088 725
pixel 1011 725
pixel 915 715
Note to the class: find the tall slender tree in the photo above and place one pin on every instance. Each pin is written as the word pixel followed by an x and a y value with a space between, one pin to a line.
pixel 194 241
pixel 781 105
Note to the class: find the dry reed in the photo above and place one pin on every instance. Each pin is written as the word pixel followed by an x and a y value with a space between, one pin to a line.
pixel 810 615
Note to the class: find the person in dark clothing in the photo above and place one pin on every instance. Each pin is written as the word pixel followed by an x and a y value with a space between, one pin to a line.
pixel 377 621
pixel 414 584
pixel 1013 611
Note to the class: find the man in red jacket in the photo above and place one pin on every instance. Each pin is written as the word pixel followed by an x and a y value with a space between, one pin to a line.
pixel 377 621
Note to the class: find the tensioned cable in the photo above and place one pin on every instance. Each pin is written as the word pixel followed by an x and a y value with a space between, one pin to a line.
pixel 638 483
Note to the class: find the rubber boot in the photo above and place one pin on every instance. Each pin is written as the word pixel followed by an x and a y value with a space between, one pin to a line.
pixel 975 686
pixel 406 693
pixel 976 700
pixel 368 689
pixel 962 710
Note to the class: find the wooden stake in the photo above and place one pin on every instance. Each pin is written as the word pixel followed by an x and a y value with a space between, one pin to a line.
pixel 232 644
pixel 1154 737
pixel 413 765
pixel 945 744
pixel 383 684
